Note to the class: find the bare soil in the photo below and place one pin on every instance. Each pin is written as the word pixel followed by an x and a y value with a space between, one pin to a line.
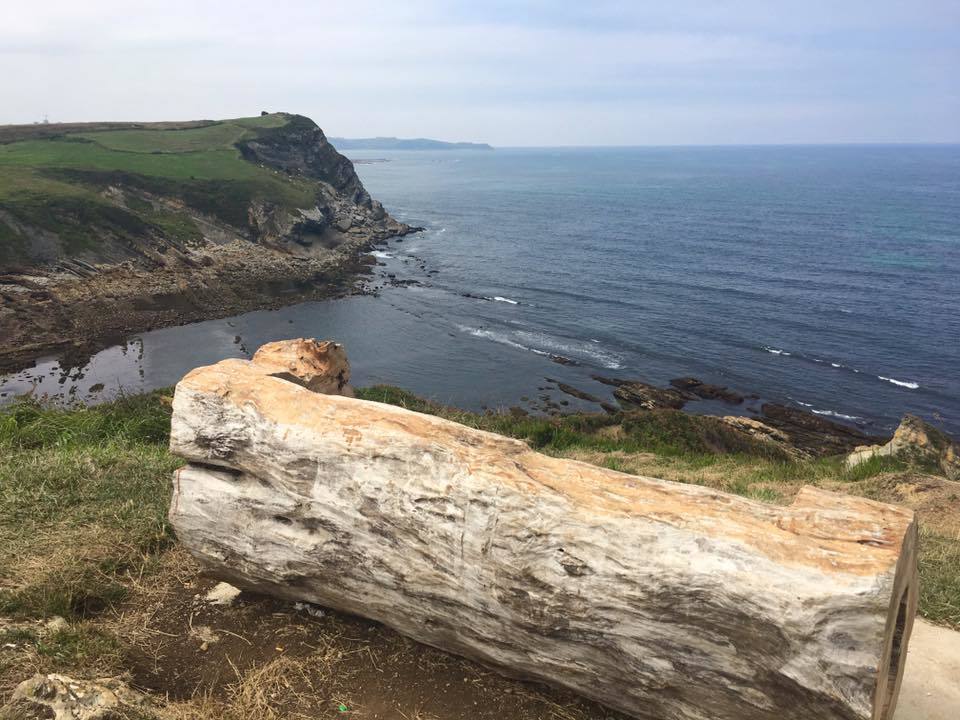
pixel 310 664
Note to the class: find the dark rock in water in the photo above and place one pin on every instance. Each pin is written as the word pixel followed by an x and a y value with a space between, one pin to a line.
pixel 706 390
pixel 649 397
pixel 615 382
pixel 814 434
pixel 236 339
pixel 561 360
pixel 577 393
pixel 634 394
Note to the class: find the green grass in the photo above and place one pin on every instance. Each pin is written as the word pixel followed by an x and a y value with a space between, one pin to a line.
pixel 216 164
pixel 57 183
pixel 83 499
pixel 217 136
pixel 84 491
pixel 12 244
pixel 940 578
pixel 260 122
pixel 21 182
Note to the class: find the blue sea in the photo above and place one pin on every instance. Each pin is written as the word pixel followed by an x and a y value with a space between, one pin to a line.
pixel 825 278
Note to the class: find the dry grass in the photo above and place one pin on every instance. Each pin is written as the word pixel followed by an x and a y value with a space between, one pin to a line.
pixel 83 496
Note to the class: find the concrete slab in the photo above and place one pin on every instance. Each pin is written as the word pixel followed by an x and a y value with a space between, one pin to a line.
pixel 931 679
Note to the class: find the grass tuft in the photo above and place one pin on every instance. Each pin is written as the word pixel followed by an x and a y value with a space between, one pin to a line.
pixel 84 493
pixel 83 496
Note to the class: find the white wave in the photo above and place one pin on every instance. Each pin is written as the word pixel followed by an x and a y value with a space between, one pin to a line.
pixel 775 351
pixel 506 300
pixel 381 254
pixel 541 344
pixel 441 230
pixel 498 338
pixel 832 413
pixel 608 359
pixel 803 403
pixel 901 383
pixel 835 365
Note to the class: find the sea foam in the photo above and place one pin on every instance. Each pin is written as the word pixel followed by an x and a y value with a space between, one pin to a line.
pixel 546 345
pixel 901 383
pixel 833 413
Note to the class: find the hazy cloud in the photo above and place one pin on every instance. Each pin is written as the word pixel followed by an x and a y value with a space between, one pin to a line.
pixel 507 73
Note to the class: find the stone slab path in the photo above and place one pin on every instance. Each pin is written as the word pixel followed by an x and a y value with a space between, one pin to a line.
pixel 931 681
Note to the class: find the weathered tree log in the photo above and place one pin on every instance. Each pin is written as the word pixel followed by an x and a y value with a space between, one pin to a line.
pixel 663 600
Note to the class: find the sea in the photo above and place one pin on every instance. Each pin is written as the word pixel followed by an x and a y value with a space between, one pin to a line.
pixel 826 278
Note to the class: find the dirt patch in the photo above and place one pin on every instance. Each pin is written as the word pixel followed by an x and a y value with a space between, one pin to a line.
pixel 261 657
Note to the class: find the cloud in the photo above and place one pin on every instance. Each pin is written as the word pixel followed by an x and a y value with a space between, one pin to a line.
pixel 532 72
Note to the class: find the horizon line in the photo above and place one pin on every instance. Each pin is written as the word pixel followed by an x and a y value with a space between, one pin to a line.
pixel 572 146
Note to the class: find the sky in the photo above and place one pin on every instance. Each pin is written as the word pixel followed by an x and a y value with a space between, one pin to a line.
pixel 601 72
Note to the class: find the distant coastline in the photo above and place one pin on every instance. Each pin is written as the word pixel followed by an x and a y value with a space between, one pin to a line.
pixel 392 143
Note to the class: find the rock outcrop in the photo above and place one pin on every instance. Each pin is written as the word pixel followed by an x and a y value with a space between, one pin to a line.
pixel 58 697
pixel 663 600
pixel 918 443
pixel 812 435
pixel 300 148
pixel 761 431
pixel 634 394
pixel 706 391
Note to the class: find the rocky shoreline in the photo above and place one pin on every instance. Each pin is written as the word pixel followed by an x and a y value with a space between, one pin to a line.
pixel 161 252
pixel 74 314
pixel 795 432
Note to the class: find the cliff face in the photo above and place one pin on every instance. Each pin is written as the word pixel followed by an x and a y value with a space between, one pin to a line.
pixel 112 193
pixel 301 148
pixel 343 206
pixel 107 229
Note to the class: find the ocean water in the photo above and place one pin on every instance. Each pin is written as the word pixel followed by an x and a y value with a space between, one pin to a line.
pixel 826 278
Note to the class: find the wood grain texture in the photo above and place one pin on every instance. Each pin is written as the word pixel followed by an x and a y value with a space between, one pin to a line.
pixel 663 600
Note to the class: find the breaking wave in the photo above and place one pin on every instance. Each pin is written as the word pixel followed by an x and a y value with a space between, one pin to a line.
pixel 901 383
pixel 833 413
pixel 547 346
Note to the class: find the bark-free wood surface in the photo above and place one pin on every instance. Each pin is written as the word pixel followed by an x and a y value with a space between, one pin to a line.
pixel 663 600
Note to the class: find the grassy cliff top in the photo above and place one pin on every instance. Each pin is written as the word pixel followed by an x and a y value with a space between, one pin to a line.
pixel 53 179
pixel 32 155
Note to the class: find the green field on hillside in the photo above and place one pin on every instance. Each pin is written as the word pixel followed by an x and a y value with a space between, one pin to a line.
pixel 57 183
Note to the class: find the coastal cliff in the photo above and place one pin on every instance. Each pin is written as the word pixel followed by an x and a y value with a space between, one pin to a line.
pixel 112 228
